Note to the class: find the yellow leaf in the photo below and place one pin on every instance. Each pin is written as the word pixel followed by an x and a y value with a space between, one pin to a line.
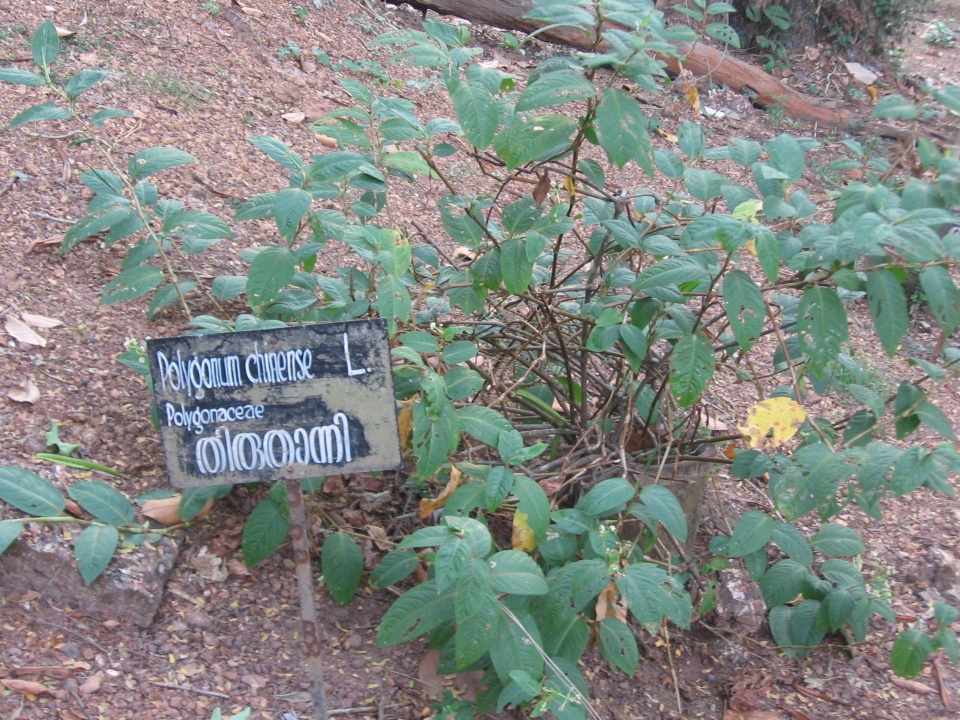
pixel 405 421
pixel 568 185
pixel 669 136
pixel 693 97
pixel 751 246
pixel 428 506
pixel 523 537
pixel 781 415
pixel 747 210
pixel 874 94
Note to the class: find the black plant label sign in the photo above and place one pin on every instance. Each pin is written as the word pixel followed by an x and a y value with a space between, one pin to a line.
pixel 266 405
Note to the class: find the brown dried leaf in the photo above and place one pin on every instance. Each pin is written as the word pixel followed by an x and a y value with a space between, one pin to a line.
pixel 542 188
pixel 379 536
pixel 465 252
pixel 326 141
pixel 428 506
pixel 92 684
pixel 163 511
pixel 405 421
pixel 607 596
pixel 693 97
pixel 912 686
pixel 26 686
pixel 333 485
pixel 64 33
pixel 252 12
pixel 40 321
pixel 430 682
pixel 236 567
pixel 294 117
pixel 192 668
pixel 18 329
pixel 25 392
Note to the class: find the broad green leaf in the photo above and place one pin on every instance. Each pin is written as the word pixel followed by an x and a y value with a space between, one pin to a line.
pixel 266 528
pixel 290 205
pixel 277 151
pixel 83 81
pixel 621 126
pixel 462 382
pixel 642 585
pixel 704 185
pixel 473 583
pixel 516 268
pixel 942 295
pixel 724 33
pixel 821 326
pixel 618 645
pixel 896 107
pixel 21 77
pixel 515 572
pixel 394 567
pixel 152 160
pixel 786 155
pixel 342 563
pixel 476 109
pixel 910 650
pixel 669 163
pixel 422 342
pixel 665 507
pixel 483 423
pixel 888 306
pixel 415 612
pixel 408 161
pixel 935 419
pixel 459 352
pixel 90 225
pixel 533 503
pixel 752 532
pixel 393 301
pixel 227 287
pixel 39 113
pixel 45 45
pixel 513 648
pixel 789 539
pixel 555 88
pixel 168 295
pixel 9 531
pixel 477 632
pixel 782 582
pixel 193 499
pixel 691 368
pixel 103 502
pixel 673 271
pixel 833 539
pixel 30 493
pixel 745 308
pixel 607 497
pixel 867 397
pixel 691 140
pixel 93 550
pixel 435 435
pixel 335 165
pixel 101 116
pixel 499 484
pixel 270 272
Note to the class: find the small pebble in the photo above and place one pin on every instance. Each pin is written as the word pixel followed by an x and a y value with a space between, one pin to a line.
pixel 70 650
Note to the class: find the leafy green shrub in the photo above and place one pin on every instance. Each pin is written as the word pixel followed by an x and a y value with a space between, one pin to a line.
pixel 579 317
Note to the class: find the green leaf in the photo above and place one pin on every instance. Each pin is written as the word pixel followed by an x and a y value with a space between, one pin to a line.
pixel 837 540
pixel 724 33
pixel 789 539
pixel 606 497
pixel 533 503
pixel 786 155
pixel 436 434
pixel 477 632
pixel 83 81
pixel 691 368
pixel 393 301
pixel 483 423
pixel 665 507
pixel 94 549
pixel 821 326
pixel 476 109
pixel 9 531
pixel 459 352
pixel 942 295
pixel 691 140
pixel 618 645
pixel 266 528
pixel 278 151
pixel 888 306
pixel 783 582
pixel 131 283
pixel 415 612
pixel 193 499
pixel 270 272
pixel 473 584
pixel 673 271
pixel 462 382
pixel 896 107
pixel 342 562
pixel 868 397
pixel 935 419
pixel 39 113
pixel 21 77
pixel 555 88
pixel 513 649
pixel 394 567
pixel 745 308
pixel 168 294
pixel 949 96
pixel 422 342
pixel 30 493
pixel 227 287
pixel 103 502
pixel 752 532
pixel 640 583
pixel 101 116
pixel 45 45
pixel 622 126
pixel 499 485
pixel 152 160
pixel 289 207
pixel 910 650
pixel 704 185
pixel 515 572
pixel 90 225
pixel 515 268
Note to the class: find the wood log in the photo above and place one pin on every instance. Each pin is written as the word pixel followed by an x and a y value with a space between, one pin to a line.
pixel 701 59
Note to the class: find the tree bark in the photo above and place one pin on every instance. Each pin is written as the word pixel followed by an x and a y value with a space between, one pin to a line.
pixel 701 59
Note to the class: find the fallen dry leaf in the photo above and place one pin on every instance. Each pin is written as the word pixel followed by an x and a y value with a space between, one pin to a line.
pixel 68 714
pixel 64 33
pixel 252 12
pixel 379 536
pixel 25 392
pixel 461 251
pixel 92 684
pixel 19 330
pixel 40 321
pixel 912 686
pixel 693 97
pixel 523 538
pixel 751 715
pixel 192 668
pixel 428 506
pixel 164 511
pixel 326 141
pixel 236 567
pixel 74 509
pixel 33 244
pixel 294 117
pixel 254 681
pixel 430 682
pixel 405 421
pixel 26 686
pixel 111 624
pixel 209 566
pixel 542 188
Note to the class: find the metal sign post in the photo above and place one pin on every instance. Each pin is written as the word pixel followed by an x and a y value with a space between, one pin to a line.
pixel 279 404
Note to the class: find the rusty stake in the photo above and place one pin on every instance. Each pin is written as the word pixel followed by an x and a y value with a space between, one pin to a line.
pixel 308 612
